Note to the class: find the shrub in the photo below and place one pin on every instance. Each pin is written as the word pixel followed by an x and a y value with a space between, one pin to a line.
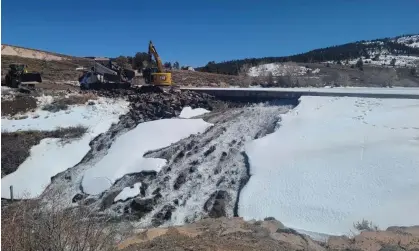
pixel 63 103
pixel 365 225
pixel 35 225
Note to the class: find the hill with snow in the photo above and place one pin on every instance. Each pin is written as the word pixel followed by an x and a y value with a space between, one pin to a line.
pixel 404 49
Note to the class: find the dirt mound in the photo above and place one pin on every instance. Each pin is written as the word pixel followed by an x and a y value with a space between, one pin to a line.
pixel 270 234
pixel 11 50
pixel 393 239
pixel 222 234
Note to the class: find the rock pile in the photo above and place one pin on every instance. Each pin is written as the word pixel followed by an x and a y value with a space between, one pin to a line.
pixel 146 106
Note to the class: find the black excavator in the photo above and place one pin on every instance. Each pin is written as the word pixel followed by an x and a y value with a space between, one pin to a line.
pixel 19 77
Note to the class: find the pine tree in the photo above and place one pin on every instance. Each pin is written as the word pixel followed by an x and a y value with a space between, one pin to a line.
pixel 393 62
pixel 359 64
pixel 168 65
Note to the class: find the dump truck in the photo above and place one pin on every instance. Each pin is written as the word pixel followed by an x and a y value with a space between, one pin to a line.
pixel 109 76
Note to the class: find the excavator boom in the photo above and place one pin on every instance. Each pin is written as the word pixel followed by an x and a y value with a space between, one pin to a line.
pixel 156 76
pixel 153 52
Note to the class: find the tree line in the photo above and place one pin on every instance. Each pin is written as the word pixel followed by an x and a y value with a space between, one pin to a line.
pixel 337 53
pixel 141 60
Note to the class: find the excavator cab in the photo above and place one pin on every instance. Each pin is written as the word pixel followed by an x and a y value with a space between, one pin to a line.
pixel 154 77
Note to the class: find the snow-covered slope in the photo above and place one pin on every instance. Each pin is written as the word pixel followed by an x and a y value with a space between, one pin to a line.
pixel 336 161
pixel 411 41
pixel 279 69
pixel 381 52
pixel 131 147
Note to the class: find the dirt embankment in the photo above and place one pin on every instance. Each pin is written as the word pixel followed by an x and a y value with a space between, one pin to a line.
pixel 270 234
pixel 195 78
pixel 51 70
pixel 10 50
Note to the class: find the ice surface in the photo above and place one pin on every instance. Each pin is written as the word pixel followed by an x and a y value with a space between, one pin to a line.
pixel 187 112
pixel 126 153
pixel 395 90
pixel 129 192
pixel 52 156
pixel 336 161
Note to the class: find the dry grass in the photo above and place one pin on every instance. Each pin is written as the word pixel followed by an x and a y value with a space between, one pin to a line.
pixel 20 104
pixel 16 145
pixel 42 224
pixel 63 103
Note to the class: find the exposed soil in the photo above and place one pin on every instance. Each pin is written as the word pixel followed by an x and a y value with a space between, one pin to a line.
pixel 269 234
pixel 20 104
pixel 62 70
pixel 221 234
pixel 16 145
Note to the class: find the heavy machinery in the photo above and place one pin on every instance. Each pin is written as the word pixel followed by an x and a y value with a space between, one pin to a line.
pixel 156 76
pixel 19 77
pixel 109 76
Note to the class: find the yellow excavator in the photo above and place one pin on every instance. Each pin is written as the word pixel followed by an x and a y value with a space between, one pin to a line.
pixel 156 76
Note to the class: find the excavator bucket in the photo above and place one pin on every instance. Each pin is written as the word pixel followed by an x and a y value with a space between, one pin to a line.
pixel 31 77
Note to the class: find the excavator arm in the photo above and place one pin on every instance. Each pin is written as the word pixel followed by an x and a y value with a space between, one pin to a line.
pixel 157 77
pixel 153 52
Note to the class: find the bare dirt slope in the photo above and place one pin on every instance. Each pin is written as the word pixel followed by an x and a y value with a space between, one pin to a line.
pixel 269 234
pixel 51 70
pixel 10 50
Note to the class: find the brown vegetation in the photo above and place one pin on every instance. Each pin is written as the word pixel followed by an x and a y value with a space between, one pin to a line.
pixel 202 79
pixel 20 104
pixel 63 103
pixel 50 70
pixel 16 145
pixel 41 224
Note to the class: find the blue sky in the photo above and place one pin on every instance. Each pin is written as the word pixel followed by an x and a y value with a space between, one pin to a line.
pixel 195 32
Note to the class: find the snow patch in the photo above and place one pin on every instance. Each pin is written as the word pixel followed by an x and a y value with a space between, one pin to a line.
pixel 126 154
pixel 411 41
pixel 53 156
pixel 335 161
pixel 96 117
pixel 187 112
pixel 278 69
pixel 129 192
pixel 44 100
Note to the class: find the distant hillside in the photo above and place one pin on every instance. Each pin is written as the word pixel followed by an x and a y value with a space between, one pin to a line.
pixel 404 49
